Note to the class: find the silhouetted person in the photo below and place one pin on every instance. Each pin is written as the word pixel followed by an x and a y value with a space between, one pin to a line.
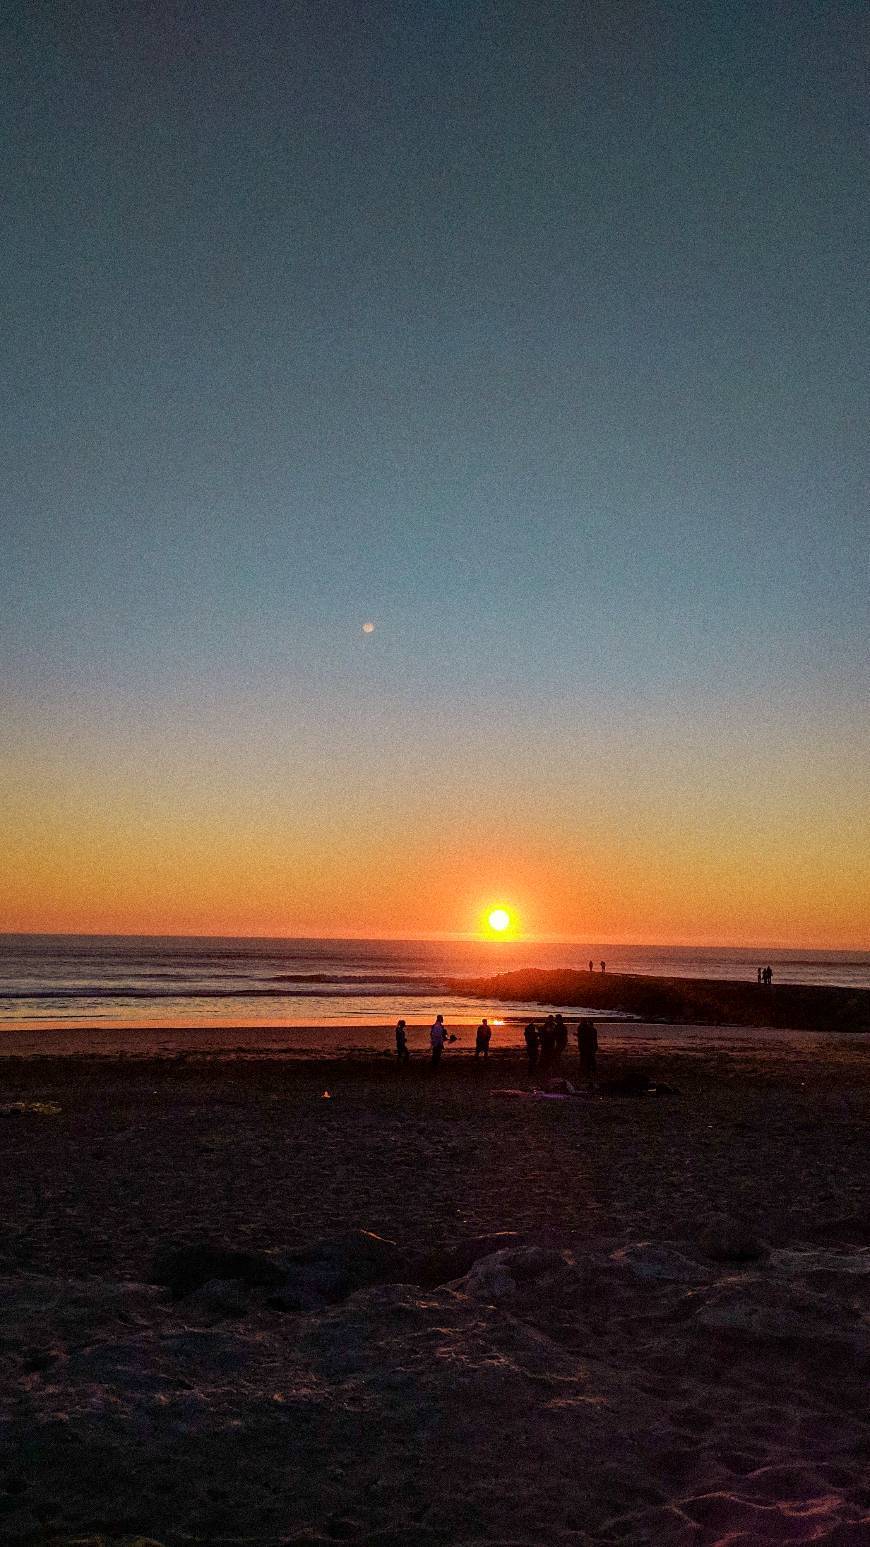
pixel 603 966
pixel 561 1041
pixel 436 1037
pixel 587 1049
pixel 548 1044
pixel 532 1044
pixel 760 975
pixel 768 976
pixel 591 966
pixel 402 1053
pixel 482 1039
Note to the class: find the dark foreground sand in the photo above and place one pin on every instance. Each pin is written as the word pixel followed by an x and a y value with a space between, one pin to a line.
pixel 673 1346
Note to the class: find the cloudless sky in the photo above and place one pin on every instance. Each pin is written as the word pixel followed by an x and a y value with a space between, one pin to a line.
pixel 534 334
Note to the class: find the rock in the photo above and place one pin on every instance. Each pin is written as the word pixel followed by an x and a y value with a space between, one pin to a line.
pixel 489 1279
pixel 646 1259
pixel 727 1239
pixel 819 1260
pixel 446 1263
pixel 502 1274
pixel 182 1269
pixel 380 1297
pixel 772 1311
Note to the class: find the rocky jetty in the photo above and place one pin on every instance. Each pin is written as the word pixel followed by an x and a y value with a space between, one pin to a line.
pixel 719 1001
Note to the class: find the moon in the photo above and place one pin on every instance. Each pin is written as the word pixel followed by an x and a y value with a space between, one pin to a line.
pixel 368 628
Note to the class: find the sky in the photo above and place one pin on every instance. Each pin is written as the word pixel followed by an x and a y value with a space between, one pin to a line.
pixel 535 336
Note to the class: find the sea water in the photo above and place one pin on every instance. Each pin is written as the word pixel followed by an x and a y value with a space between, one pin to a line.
pixel 78 981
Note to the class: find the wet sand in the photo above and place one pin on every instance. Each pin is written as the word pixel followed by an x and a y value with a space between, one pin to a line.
pixel 672 1346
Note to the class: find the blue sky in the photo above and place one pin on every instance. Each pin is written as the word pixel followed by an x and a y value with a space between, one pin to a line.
pixel 537 336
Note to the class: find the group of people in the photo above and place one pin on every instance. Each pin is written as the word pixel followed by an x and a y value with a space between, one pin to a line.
pixel 438 1038
pixel 765 975
pixel 545 1044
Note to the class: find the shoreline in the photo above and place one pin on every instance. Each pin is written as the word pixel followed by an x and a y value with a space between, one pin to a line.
pixel 374 1044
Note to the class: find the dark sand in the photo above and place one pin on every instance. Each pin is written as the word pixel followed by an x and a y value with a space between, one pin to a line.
pixel 673 1348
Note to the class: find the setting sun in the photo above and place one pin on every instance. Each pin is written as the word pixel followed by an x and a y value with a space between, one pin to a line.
pixel 495 921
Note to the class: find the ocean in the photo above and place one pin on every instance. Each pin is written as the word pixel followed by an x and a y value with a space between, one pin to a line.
pixel 77 982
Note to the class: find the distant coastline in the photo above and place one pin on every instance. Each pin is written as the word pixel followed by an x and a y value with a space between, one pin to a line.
pixel 798 1006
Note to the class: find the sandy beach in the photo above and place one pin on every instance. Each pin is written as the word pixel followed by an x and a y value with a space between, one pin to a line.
pixel 417 1311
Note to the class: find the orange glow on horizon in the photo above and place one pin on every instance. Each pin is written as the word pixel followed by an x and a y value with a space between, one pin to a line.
pixel 199 837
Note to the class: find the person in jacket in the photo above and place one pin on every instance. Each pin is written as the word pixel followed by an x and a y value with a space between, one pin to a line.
pixel 532 1044
pixel 587 1050
pixel 482 1039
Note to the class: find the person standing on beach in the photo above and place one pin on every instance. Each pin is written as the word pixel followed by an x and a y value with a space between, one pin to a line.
pixel 482 1039
pixel 587 1050
pixel 603 966
pixel 402 1053
pixel 548 1044
pixel 591 966
pixel 532 1041
pixel 436 1037
pixel 561 1041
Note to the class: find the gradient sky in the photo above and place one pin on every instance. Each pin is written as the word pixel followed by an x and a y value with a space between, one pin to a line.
pixel 535 334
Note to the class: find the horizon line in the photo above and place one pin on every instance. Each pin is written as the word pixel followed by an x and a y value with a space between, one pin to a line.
pixel 445 937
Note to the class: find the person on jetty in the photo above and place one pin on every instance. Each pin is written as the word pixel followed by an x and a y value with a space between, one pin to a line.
pixel 482 1039
pixel 532 1044
pixel 402 1053
pixel 437 1037
pixel 587 1050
